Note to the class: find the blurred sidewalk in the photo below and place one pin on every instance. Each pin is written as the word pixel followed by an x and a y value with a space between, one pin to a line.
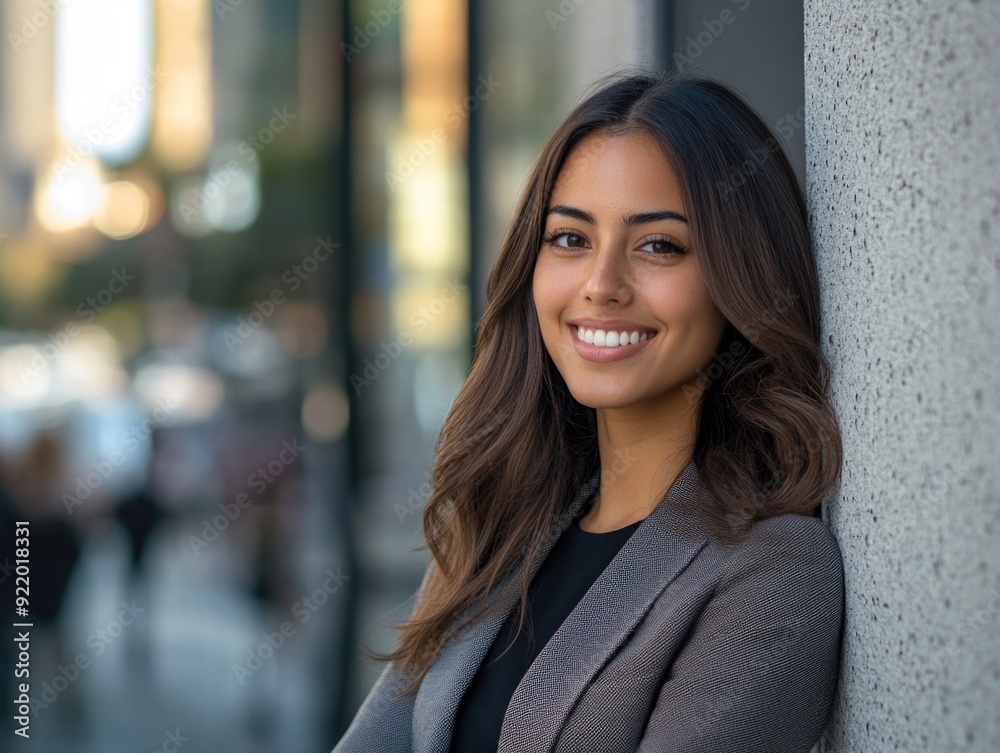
pixel 170 671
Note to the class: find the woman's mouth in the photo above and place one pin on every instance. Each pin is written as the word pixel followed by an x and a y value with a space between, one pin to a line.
pixel 610 338
pixel 602 346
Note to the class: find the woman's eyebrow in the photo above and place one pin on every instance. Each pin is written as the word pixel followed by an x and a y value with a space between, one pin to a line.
pixel 633 219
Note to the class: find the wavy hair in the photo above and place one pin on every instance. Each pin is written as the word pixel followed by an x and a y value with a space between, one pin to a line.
pixel 516 446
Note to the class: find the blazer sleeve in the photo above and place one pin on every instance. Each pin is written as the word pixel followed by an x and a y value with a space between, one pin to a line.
pixel 759 669
pixel 384 722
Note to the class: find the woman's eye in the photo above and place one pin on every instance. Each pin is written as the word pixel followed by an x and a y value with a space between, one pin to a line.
pixel 655 247
pixel 565 240
pixel 663 248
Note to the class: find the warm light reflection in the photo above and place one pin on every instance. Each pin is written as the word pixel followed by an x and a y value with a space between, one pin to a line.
pixel 27 80
pixel 154 195
pixel 433 315
pixel 182 128
pixel 73 197
pixel 426 225
pixel 67 198
pixel 424 176
pixel 123 211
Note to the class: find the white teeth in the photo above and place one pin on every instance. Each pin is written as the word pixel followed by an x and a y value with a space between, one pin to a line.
pixel 610 339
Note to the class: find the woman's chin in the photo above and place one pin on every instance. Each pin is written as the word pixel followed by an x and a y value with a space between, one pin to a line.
pixel 605 398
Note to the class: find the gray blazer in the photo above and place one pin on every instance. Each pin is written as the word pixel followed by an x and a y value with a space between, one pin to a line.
pixel 682 645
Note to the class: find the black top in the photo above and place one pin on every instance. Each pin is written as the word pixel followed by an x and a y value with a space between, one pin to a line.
pixel 569 570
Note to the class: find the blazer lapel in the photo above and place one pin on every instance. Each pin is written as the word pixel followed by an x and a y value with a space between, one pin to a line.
pixel 458 661
pixel 659 549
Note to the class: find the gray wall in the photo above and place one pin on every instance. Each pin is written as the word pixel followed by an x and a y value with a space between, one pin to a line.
pixel 902 164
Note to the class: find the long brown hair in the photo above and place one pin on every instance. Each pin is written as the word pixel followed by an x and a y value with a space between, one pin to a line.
pixel 516 445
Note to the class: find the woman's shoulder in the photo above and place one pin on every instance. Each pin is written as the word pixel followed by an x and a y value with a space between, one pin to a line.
pixel 785 547
pixel 794 529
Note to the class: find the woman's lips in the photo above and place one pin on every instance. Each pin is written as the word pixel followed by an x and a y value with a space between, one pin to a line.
pixel 603 353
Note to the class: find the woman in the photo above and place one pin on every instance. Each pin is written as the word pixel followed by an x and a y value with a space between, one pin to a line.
pixel 626 549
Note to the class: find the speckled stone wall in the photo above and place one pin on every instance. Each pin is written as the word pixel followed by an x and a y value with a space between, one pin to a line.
pixel 903 179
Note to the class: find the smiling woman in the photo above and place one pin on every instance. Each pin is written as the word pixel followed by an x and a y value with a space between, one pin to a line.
pixel 626 551
pixel 617 242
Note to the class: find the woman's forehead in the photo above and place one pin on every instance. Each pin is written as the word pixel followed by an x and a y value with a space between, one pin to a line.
pixel 618 172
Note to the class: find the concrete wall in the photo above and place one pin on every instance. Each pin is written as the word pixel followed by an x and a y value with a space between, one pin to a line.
pixel 902 165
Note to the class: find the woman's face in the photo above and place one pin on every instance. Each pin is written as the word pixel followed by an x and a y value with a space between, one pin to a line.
pixel 616 260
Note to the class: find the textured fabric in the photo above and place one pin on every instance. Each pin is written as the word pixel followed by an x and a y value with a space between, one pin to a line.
pixel 575 562
pixel 682 645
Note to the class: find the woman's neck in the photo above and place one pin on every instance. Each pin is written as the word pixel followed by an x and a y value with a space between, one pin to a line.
pixel 642 453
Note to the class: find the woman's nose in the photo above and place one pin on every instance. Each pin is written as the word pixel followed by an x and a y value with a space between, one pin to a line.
pixel 607 275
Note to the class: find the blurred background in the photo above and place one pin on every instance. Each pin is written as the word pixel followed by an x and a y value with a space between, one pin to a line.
pixel 243 247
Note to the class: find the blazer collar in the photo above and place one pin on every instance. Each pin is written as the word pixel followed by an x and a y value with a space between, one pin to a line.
pixel 658 550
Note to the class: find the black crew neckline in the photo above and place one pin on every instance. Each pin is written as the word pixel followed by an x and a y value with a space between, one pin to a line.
pixel 630 526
